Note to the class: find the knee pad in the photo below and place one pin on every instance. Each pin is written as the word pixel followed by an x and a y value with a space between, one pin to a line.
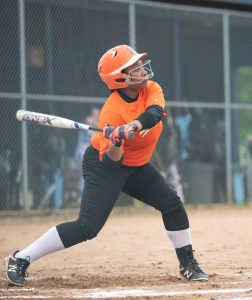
pixel 72 233
pixel 175 216
pixel 172 205
pixel 87 231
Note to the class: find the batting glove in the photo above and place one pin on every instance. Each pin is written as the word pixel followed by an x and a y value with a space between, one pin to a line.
pixel 109 133
pixel 125 131
pixel 116 134
pixel 133 126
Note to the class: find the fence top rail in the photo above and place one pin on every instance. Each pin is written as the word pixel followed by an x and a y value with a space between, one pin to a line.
pixel 218 11
pixel 181 7
pixel 101 100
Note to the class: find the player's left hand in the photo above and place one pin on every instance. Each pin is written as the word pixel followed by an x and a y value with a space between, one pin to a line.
pixel 109 133
pixel 116 134
pixel 125 131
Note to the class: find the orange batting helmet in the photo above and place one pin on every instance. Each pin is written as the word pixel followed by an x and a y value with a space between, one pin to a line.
pixel 113 62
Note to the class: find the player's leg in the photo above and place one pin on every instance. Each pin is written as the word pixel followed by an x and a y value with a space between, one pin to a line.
pixel 103 183
pixel 18 262
pixel 147 185
pixel 102 187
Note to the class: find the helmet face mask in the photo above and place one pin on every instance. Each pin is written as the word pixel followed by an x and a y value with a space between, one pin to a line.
pixel 146 66
pixel 115 61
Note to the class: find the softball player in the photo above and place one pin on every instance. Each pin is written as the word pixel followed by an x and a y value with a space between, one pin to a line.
pixel 116 161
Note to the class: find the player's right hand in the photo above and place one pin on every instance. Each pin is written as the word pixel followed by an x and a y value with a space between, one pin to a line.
pixel 116 134
pixel 126 131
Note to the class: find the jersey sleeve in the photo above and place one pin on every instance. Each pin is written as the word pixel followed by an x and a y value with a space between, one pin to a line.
pixel 155 95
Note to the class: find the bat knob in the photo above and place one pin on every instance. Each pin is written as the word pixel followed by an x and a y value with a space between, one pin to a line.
pixel 20 115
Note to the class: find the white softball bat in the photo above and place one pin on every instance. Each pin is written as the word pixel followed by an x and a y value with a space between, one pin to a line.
pixel 51 121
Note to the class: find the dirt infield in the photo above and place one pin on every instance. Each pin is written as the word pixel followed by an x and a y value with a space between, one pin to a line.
pixel 133 258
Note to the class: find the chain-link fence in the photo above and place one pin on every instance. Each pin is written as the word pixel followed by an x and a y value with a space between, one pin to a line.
pixel 48 58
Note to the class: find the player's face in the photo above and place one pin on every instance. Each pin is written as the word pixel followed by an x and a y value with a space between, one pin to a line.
pixel 139 73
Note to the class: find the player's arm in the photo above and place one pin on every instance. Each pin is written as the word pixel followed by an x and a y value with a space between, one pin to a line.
pixel 149 118
pixel 114 153
pixel 116 135
pixel 155 103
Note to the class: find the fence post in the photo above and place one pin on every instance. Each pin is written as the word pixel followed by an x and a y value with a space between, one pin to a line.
pixel 23 103
pixel 132 25
pixel 227 102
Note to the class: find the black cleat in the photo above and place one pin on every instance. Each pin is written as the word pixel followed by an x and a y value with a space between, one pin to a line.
pixel 189 267
pixel 16 269
pixel 192 271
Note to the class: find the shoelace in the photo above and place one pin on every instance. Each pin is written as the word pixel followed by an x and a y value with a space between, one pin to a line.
pixel 195 265
pixel 22 265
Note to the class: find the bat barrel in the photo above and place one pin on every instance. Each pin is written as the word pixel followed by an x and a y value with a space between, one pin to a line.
pixel 51 121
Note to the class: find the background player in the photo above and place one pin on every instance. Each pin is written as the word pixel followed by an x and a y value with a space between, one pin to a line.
pixel 115 163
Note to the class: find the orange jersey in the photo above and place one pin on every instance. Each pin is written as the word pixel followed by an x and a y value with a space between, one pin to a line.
pixel 117 111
